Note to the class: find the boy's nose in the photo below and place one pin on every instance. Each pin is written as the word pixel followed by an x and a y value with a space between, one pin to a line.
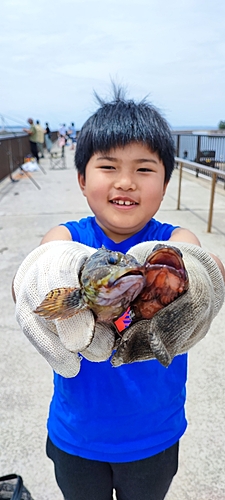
pixel 125 182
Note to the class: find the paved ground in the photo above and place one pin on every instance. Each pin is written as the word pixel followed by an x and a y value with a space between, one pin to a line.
pixel 26 213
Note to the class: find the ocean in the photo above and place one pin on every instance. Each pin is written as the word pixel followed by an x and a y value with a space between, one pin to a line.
pixel 188 141
pixel 11 131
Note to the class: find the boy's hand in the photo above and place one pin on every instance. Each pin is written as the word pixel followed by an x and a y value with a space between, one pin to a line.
pixel 53 265
pixel 180 325
pixel 102 344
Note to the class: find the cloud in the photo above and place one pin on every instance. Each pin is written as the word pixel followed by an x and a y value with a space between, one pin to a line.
pixel 54 54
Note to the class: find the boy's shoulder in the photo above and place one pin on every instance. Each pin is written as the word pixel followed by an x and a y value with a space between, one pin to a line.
pixel 82 230
pixel 155 230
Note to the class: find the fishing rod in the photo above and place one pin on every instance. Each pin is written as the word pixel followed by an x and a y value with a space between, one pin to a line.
pixel 30 177
pixel 15 134
pixel 20 122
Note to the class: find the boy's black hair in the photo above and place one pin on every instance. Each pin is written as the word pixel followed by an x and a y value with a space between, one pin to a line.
pixel 121 122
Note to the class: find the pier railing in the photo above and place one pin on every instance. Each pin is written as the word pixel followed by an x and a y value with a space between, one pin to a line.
pixel 12 153
pixel 13 150
pixel 213 173
pixel 195 146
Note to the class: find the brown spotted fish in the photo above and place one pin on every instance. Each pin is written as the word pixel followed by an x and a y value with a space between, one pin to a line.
pixel 109 282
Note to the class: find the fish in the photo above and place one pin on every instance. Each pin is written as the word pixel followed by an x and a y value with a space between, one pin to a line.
pixel 166 279
pixel 109 282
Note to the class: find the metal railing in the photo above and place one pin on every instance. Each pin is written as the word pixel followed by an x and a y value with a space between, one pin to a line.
pixel 214 173
pixel 189 145
pixel 12 153
pixel 13 150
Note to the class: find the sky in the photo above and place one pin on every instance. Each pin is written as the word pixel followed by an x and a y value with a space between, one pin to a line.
pixel 54 54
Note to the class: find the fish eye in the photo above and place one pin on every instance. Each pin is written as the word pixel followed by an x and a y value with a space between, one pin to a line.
pixel 158 247
pixel 113 259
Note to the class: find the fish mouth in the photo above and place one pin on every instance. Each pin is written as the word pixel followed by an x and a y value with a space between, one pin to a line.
pixel 122 291
pixel 121 273
pixel 170 257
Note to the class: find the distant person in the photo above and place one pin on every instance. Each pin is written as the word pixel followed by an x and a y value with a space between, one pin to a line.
pixel 62 138
pixel 32 132
pixel 48 140
pixel 40 138
pixel 72 134
pixel 62 131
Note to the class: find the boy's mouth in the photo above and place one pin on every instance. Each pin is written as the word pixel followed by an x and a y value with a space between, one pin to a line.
pixel 127 203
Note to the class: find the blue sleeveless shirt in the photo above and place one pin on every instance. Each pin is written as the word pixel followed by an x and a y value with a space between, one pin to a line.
pixel 119 414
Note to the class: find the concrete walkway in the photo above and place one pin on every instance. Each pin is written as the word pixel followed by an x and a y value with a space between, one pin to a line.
pixel 26 213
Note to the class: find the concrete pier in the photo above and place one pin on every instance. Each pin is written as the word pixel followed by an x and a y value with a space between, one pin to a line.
pixel 26 214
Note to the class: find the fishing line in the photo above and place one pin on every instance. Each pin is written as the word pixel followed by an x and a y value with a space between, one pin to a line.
pixel 13 119
pixel 15 135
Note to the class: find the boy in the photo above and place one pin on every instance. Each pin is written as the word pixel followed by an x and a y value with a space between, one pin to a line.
pixel 113 427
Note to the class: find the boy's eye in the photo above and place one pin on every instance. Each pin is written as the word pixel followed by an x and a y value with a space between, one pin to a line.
pixel 145 169
pixel 107 167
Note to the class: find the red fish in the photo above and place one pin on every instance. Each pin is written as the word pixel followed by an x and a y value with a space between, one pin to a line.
pixel 166 279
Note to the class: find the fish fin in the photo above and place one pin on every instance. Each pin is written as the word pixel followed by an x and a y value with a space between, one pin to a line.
pixel 60 303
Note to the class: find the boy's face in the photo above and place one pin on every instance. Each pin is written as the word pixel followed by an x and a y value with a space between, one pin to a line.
pixel 124 188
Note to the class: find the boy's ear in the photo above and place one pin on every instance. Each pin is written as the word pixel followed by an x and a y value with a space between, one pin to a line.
pixel 81 181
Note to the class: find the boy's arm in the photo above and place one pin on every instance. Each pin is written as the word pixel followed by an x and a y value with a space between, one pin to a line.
pixel 181 234
pixel 28 131
pixel 57 233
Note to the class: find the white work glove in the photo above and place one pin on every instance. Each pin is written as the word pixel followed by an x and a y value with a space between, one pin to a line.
pixel 54 265
pixel 181 324
pixel 102 344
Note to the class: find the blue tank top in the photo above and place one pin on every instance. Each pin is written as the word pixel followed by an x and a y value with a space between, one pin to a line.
pixel 119 414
